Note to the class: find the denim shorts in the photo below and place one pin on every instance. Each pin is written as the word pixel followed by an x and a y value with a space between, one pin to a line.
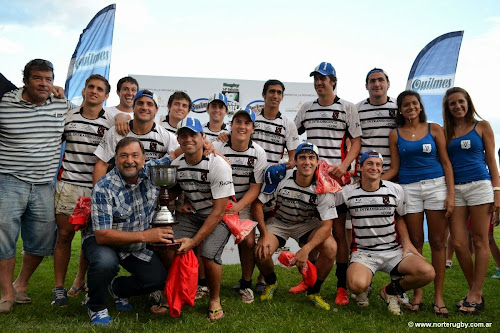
pixel 28 208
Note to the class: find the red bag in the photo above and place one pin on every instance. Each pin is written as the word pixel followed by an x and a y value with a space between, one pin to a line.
pixel 325 183
pixel 239 228
pixel 182 281
pixel 81 213
pixel 309 272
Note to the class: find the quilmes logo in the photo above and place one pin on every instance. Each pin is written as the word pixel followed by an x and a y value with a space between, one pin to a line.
pixel 91 59
pixel 432 85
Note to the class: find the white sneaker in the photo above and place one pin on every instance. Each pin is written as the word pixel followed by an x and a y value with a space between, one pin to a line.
pixel 403 299
pixel 246 295
pixel 201 292
pixel 362 299
pixel 392 302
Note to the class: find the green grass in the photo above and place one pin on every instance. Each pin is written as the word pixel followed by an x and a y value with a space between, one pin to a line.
pixel 286 313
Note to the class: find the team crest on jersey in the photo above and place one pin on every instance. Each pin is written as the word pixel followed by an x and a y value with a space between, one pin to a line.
pixel 152 146
pixel 100 131
pixel 392 113
pixel 335 115
pixel 278 130
pixel 251 161
pixel 313 198
pixel 204 175
pixel 385 200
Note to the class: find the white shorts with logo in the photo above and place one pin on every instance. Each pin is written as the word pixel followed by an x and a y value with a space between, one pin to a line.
pixel 428 194
pixel 379 262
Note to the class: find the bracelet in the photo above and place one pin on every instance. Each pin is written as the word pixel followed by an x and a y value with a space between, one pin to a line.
pixel 496 188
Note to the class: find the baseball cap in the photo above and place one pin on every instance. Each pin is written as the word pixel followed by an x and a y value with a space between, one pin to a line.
pixel 218 97
pixel 147 93
pixel 375 70
pixel 368 154
pixel 272 177
pixel 306 146
pixel 325 68
pixel 192 123
pixel 246 111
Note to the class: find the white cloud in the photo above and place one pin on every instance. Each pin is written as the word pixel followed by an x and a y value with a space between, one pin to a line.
pixel 10 46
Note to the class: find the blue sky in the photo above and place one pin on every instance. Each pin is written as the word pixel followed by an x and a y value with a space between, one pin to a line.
pixel 262 39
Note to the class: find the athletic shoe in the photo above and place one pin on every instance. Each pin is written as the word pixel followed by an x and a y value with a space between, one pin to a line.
pixel 60 296
pixel 201 292
pixel 403 299
pixel 449 263
pixel 391 301
pixel 363 299
pixel 246 295
pixel 496 276
pixel 318 301
pixel 301 287
pixel 342 297
pixel 259 287
pixel 100 317
pixel 121 304
pixel 268 293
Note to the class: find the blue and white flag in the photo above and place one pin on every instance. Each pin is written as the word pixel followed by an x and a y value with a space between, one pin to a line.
pixel 433 72
pixel 92 54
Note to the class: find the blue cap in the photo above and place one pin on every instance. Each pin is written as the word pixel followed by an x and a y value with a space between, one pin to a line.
pixel 218 97
pixel 147 93
pixel 306 146
pixel 246 111
pixel 272 177
pixel 192 123
pixel 368 154
pixel 325 68
pixel 376 70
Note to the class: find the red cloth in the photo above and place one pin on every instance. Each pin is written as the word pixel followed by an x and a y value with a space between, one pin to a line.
pixel 325 183
pixel 239 228
pixel 309 272
pixel 182 281
pixel 81 213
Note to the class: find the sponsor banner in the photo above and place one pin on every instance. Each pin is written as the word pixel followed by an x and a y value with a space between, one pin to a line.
pixel 433 72
pixel 92 54
pixel 240 93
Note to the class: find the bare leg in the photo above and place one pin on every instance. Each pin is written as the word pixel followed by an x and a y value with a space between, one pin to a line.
pixel 415 225
pixel 83 265
pixel 6 276
pixel 62 251
pixel 458 230
pixel 28 267
pixel 214 277
pixel 495 251
pixel 247 256
pixel 436 222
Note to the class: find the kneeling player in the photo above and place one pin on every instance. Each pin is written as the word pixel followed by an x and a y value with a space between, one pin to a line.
pixel 380 239
pixel 296 215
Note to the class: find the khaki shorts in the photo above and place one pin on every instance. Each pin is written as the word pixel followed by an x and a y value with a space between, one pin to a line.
pixel 67 195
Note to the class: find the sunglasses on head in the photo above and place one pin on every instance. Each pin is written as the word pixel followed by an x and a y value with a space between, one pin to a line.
pixel 38 62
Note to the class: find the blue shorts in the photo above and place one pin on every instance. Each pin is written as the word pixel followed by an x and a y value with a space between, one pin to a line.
pixel 28 208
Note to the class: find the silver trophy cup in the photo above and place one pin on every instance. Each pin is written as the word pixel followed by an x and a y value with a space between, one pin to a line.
pixel 164 176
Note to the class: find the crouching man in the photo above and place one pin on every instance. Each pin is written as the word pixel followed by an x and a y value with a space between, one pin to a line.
pixel 123 202
pixel 380 240
pixel 296 215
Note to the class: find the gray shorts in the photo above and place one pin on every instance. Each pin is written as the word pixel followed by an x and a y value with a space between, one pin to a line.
pixel 295 231
pixel 213 245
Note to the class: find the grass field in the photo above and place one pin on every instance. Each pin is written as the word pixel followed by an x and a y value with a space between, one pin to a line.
pixel 286 313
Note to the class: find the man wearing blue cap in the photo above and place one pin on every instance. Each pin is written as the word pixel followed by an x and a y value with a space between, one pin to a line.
pixel 296 215
pixel 207 183
pixel 380 237
pixel 377 115
pixel 328 122
pixel 156 140
pixel 217 111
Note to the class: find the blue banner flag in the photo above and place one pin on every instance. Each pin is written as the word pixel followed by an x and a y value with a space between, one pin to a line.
pixel 92 54
pixel 433 72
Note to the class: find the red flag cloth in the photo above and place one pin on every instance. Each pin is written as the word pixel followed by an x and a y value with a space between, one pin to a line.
pixel 81 213
pixel 324 181
pixel 309 272
pixel 182 281
pixel 239 228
